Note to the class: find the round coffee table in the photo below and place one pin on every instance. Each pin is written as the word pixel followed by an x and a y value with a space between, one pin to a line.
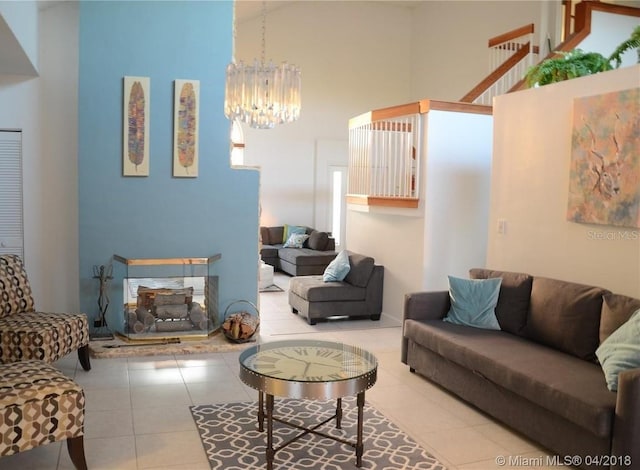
pixel 308 369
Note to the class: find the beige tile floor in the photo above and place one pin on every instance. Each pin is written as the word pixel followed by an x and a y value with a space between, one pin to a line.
pixel 137 414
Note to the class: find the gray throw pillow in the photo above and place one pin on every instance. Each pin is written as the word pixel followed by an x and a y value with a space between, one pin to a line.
pixel 318 240
pixel 616 310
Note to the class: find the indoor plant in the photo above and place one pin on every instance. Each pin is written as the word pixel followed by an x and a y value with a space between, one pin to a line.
pixel 578 63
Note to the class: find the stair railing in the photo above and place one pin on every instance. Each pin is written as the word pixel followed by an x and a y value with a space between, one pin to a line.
pixel 512 54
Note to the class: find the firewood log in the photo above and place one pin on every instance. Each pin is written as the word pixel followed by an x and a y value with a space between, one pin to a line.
pixel 176 325
pixel 133 324
pixel 145 317
pixel 171 311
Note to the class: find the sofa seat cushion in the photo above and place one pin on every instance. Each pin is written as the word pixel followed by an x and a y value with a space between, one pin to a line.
pixel 305 256
pixel 39 405
pixel 314 289
pixel 565 385
pixel 42 336
pixel 270 251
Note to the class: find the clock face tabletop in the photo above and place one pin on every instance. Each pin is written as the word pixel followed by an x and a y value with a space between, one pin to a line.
pixel 308 368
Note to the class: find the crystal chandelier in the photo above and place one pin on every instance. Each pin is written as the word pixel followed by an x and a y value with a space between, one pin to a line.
pixel 262 94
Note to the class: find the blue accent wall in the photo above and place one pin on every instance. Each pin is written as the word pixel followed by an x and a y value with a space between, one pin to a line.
pixel 160 216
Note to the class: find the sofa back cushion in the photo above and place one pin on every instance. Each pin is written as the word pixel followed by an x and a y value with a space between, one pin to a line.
pixel 565 316
pixel 15 290
pixel 513 301
pixel 361 269
pixel 616 310
pixel 318 240
pixel 272 235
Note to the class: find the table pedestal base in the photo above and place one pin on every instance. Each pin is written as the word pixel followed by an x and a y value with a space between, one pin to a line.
pixel 270 451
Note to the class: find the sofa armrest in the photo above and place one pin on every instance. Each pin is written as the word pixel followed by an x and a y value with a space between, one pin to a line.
pixel 626 427
pixel 432 305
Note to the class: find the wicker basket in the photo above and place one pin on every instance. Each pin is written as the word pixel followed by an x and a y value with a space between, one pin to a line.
pixel 241 326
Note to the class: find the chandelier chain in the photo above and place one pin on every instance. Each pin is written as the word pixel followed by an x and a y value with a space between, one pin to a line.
pixel 259 94
pixel 264 29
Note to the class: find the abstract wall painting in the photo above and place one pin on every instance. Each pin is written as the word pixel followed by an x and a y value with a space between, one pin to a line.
pixel 136 118
pixel 185 128
pixel 604 178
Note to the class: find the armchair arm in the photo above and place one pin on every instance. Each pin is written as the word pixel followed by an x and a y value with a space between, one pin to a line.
pixel 626 427
pixel 432 305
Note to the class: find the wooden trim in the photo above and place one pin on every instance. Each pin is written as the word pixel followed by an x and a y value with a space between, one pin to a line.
pixel 584 11
pixel 495 75
pixel 513 34
pixel 457 107
pixel 571 43
pixel 384 113
pixel 582 19
pixel 566 4
pixel 364 200
pixel 165 261
pixel 610 8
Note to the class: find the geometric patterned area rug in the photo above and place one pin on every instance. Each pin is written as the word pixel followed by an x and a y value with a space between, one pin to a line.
pixel 231 440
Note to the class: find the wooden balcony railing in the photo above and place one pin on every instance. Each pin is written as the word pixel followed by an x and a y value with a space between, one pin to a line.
pixel 385 152
pixel 384 146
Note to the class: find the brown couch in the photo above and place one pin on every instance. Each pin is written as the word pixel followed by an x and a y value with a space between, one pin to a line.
pixel 313 258
pixel 538 374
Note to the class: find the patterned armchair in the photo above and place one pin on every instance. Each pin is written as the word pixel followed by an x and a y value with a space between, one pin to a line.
pixel 40 405
pixel 26 334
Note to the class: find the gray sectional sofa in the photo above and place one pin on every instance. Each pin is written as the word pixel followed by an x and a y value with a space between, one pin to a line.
pixel 313 258
pixel 538 374
pixel 358 295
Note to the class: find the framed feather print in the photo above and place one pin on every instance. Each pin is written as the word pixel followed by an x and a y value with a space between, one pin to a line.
pixel 136 116
pixel 186 104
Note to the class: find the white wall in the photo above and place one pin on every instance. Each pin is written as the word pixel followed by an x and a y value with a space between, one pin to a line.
pixel 458 158
pixel 19 33
pixel 449 41
pixel 530 183
pixel 354 56
pixel 609 31
pixel 45 109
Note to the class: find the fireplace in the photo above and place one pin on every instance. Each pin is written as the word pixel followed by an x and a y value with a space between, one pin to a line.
pixel 167 299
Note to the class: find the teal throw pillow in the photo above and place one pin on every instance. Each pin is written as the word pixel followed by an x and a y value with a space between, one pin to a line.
pixel 290 230
pixel 338 268
pixel 473 302
pixel 296 240
pixel 620 351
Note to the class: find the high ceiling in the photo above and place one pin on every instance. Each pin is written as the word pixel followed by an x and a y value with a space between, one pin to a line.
pixel 249 9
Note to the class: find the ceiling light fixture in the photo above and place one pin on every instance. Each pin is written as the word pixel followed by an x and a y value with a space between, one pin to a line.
pixel 262 94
